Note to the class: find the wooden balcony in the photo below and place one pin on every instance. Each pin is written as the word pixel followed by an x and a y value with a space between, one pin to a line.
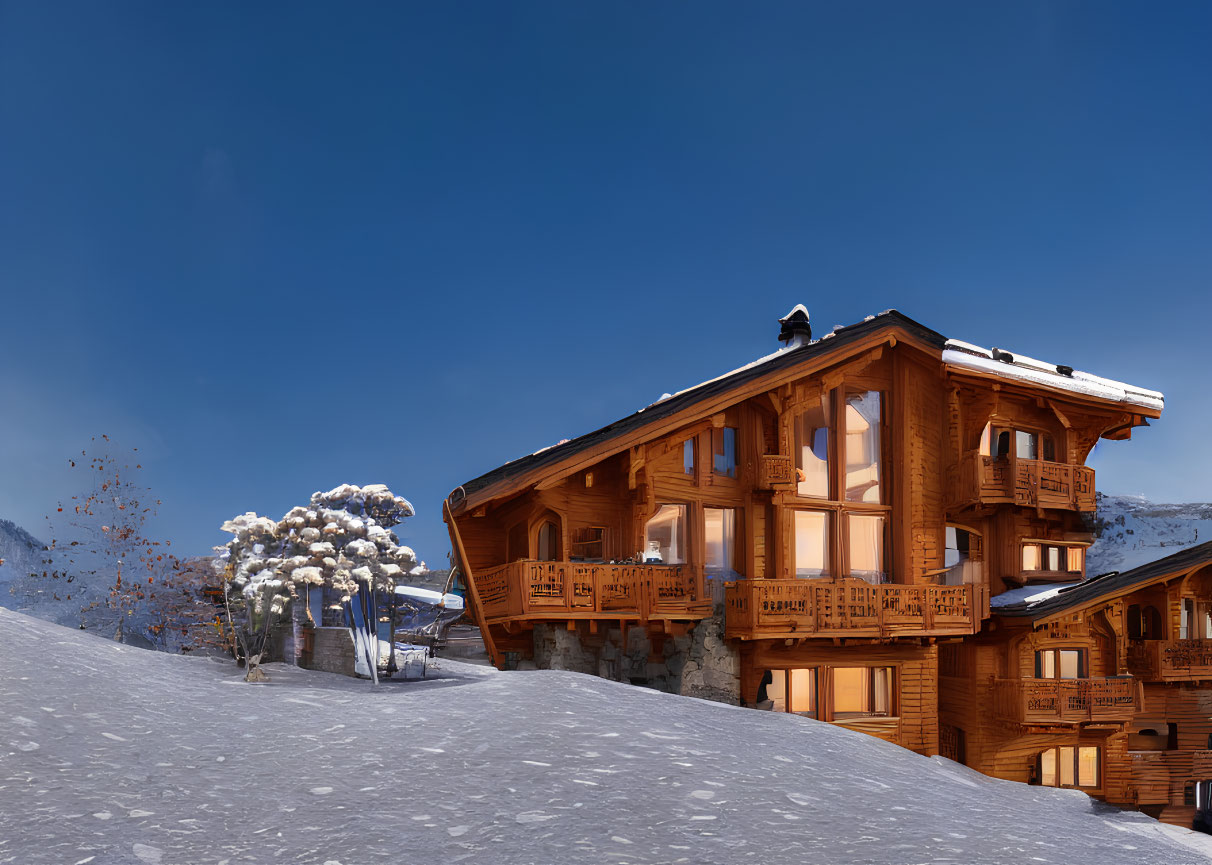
pixel 1170 660
pixel 1030 483
pixel 781 609
pixel 1159 777
pixel 525 590
pixel 1066 701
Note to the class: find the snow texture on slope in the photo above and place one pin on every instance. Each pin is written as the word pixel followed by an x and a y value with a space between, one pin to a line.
pixel 1133 531
pixel 110 754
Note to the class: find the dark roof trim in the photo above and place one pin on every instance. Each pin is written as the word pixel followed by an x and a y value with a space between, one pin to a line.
pixel 829 344
pixel 1112 584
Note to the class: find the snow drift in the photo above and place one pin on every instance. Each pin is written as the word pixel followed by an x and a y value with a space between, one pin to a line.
pixel 110 754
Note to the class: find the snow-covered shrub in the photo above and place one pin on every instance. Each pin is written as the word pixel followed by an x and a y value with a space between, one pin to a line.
pixel 342 539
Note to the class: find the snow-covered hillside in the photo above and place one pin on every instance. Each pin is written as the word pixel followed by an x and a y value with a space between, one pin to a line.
pixel 1132 531
pixel 21 553
pixel 110 754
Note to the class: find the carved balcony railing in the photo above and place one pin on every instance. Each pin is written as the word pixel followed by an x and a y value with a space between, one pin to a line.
pixel 774 609
pixel 562 590
pixel 1170 660
pixel 1030 483
pixel 1063 701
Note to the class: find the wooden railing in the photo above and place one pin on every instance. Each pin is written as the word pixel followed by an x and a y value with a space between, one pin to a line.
pixel 1158 777
pixel 552 590
pixel 762 609
pixel 1030 483
pixel 1047 701
pixel 1170 660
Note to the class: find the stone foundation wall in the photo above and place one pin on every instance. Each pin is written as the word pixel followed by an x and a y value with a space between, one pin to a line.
pixel 698 664
pixel 332 651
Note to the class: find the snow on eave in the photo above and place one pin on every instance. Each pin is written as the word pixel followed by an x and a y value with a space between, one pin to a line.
pixel 964 355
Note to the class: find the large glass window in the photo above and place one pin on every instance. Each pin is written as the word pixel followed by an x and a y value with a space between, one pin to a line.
pixel 720 534
pixel 665 536
pixel 863 447
pixel 812 451
pixel 867 547
pixel 861 692
pixel 791 691
pixel 1069 766
pixel 1060 664
pixel 812 543
pixel 1028 445
pixel 724 452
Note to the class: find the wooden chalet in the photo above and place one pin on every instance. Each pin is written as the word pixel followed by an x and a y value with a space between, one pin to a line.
pixel 830 531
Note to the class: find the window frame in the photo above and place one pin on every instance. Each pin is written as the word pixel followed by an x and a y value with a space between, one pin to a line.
pixel 1058 752
pixel 1046 440
pixel 836 504
pixel 687 540
pixel 1083 661
pixel 824 680
pixel 1063 548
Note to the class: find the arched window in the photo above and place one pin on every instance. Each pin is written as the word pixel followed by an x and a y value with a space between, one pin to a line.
pixel 1151 623
pixel 549 542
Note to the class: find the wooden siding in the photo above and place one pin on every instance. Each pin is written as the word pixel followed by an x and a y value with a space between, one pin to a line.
pixel 1171 660
pixel 915 725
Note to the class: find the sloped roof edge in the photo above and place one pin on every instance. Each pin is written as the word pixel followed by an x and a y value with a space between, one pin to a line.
pixel 1112 584
pixel 664 408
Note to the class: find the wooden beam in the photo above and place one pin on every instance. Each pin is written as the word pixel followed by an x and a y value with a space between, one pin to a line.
pixel 473 594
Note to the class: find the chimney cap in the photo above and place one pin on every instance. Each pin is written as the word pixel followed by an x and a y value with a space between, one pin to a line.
pixel 795 329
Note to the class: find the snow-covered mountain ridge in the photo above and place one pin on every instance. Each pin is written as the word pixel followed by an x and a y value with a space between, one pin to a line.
pixel 114 754
pixel 21 553
pixel 1132 531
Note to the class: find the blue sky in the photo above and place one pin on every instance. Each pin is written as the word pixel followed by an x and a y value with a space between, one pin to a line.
pixel 280 247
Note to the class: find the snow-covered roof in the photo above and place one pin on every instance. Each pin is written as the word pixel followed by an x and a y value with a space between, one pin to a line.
pixel 1028 594
pixel 1022 368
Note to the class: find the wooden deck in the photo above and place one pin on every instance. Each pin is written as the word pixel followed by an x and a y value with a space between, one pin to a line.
pixel 1171 660
pixel 1067 701
pixel 1029 483
pixel 530 590
pixel 1159 777
pixel 783 609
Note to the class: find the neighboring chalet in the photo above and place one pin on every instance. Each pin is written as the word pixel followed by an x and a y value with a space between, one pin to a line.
pixel 849 529
pixel 1105 684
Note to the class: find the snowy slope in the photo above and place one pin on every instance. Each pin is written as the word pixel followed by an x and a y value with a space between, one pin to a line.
pixel 110 754
pixel 1132 531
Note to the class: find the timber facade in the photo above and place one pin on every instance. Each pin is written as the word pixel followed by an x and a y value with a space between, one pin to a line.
pixel 863 529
